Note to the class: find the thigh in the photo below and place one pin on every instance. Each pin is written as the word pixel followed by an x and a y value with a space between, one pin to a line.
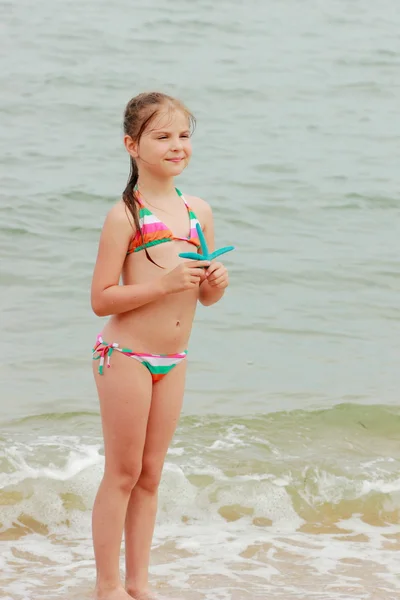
pixel 124 391
pixel 165 410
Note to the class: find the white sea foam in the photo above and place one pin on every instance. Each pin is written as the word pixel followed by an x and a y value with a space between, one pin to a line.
pixel 195 541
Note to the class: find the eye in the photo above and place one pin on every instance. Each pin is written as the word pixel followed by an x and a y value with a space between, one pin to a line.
pixel 185 135
pixel 162 137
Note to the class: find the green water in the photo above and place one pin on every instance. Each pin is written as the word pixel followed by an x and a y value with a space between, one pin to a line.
pixel 289 438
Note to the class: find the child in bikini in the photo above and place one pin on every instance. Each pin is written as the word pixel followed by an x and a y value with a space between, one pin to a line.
pixel 146 338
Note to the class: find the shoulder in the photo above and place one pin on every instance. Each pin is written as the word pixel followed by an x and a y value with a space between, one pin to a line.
pixel 200 207
pixel 120 217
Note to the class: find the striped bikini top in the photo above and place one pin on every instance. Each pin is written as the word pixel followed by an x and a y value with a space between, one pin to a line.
pixel 153 231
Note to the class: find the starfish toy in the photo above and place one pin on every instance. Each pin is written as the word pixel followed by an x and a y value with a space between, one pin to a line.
pixel 204 249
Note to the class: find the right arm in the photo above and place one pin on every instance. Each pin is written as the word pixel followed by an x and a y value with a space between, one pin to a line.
pixel 110 298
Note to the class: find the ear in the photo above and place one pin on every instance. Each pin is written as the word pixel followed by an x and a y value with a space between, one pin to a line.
pixel 131 146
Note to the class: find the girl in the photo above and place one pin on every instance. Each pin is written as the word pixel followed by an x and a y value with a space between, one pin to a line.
pixel 151 320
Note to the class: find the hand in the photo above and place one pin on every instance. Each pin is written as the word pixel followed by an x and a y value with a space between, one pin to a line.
pixel 217 275
pixel 186 276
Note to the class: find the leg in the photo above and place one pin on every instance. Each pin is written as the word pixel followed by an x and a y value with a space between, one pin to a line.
pixel 125 398
pixel 165 410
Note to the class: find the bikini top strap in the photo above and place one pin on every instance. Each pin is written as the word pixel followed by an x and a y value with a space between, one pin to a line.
pixel 137 195
pixel 183 198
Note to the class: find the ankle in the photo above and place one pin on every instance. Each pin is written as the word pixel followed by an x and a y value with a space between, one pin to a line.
pixel 137 591
pixel 103 586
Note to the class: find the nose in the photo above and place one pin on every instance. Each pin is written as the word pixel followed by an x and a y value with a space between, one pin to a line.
pixel 176 143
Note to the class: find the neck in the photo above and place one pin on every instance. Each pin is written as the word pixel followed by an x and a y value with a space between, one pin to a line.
pixel 155 187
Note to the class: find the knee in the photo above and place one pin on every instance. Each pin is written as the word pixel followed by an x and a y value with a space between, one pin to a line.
pixel 125 475
pixel 150 475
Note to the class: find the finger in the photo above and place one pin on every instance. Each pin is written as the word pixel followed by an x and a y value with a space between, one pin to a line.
pixel 216 276
pixel 203 275
pixel 220 282
pixel 198 263
pixel 198 271
pixel 216 273
pixel 213 268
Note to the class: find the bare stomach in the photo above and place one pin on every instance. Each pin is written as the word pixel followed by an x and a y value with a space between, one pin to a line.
pixel 160 327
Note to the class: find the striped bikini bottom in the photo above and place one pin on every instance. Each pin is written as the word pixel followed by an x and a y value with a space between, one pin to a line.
pixel 158 364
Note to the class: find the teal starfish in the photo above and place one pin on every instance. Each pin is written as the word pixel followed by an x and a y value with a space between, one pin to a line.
pixel 204 249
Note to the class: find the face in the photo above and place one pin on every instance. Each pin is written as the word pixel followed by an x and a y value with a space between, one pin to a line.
pixel 165 147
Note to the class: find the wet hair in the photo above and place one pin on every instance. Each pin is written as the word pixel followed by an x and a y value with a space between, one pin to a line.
pixel 140 112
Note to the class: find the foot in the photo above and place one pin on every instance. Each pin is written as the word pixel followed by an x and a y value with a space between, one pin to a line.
pixel 113 594
pixel 146 595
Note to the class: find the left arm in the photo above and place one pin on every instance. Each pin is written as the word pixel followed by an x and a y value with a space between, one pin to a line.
pixel 216 281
